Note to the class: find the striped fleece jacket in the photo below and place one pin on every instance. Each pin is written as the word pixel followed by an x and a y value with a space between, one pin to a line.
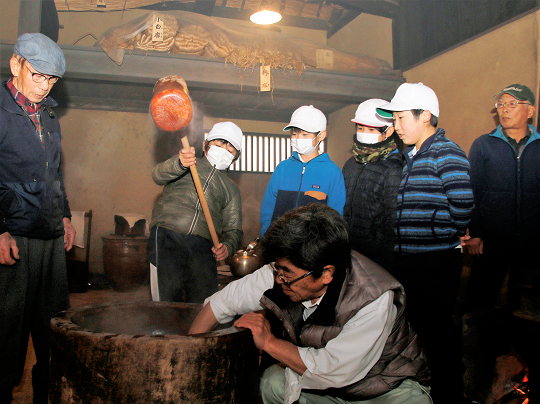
pixel 435 199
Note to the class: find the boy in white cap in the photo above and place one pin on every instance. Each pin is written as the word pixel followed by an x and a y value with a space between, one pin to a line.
pixel 35 219
pixel 183 260
pixel 435 204
pixel 307 176
pixel 372 176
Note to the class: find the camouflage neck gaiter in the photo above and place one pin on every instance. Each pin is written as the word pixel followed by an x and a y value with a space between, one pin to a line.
pixel 371 153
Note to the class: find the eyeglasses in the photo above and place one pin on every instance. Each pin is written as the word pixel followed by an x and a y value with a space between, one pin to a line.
pixel 288 283
pixel 511 104
pixel 40 78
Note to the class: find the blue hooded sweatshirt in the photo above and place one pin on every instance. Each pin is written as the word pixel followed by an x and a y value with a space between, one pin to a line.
pixel 296 183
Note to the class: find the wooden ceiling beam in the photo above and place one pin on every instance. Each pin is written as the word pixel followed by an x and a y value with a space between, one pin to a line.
pixel 346 18
pixel 287 20
pixel 337 13
pixel 93 81
pixel 382 8
pixel 205 7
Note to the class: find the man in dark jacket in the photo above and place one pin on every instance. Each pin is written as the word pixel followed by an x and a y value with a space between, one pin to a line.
pixel 35 226
pixel 334 319
pixel 505 229
pixel 183 261
pixel 505 175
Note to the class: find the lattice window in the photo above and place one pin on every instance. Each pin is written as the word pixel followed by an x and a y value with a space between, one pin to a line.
pixel 262 152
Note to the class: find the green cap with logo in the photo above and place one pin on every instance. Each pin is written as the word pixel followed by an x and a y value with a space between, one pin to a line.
pixel 519 92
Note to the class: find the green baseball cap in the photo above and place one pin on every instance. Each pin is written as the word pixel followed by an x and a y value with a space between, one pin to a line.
pixel 519 92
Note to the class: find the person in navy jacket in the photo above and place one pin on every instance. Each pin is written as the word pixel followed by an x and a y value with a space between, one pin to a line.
pixel 505 175
pixel 504 233
pixel 35 219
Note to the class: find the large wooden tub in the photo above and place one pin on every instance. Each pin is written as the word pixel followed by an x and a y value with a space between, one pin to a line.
pixel 140 353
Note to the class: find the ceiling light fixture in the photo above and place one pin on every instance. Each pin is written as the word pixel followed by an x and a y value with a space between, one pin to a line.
pixel 265 17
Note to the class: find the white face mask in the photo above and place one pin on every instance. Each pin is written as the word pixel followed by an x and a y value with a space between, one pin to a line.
pixel 367 138
pixel 219 157
pixel 304 146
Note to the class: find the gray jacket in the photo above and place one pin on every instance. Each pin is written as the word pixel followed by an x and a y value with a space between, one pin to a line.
pixel 179 208
pixel 402 357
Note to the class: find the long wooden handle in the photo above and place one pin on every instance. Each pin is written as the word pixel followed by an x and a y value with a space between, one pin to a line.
pixel 202 198
pixel 172 111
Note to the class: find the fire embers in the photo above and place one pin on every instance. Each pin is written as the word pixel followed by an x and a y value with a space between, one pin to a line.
pixel 518 389
pixel 510 384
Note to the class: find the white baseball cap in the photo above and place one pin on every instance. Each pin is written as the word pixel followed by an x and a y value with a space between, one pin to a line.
pixel 366 114
pixel 227 131
pixel 307 118
pixel 411 96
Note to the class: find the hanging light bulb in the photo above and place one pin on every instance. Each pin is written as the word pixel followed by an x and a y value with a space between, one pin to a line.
pixel 265 17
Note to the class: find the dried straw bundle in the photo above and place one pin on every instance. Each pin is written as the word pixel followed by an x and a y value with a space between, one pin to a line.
pixel 268 54
pixel 143 41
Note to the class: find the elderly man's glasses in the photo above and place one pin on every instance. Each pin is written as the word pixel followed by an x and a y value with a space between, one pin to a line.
pixel 511 104
pixel 40 78
pixel 288 283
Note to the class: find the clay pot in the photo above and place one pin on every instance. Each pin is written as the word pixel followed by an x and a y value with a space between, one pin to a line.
pixel 124 261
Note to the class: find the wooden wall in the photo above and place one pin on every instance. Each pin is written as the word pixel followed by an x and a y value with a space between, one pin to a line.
pixel 467 77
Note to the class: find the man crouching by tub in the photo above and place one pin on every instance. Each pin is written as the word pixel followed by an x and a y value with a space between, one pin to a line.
pixel 334 319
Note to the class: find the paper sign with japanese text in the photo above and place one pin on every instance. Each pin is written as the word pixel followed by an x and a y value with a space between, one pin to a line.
pixel 265 78
pixel 325 59
pixel 157 31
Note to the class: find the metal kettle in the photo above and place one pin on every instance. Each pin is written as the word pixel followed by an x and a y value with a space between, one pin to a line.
pixel 246 261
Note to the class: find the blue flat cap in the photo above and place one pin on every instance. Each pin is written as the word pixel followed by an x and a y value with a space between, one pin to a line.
pixel 42 53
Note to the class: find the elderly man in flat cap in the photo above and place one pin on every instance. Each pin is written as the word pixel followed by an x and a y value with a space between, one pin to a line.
pixel 35 226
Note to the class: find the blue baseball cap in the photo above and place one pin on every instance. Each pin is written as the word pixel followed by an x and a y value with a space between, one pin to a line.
pixel 42 53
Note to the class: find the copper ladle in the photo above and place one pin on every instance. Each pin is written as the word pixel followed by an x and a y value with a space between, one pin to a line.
pixel 171 111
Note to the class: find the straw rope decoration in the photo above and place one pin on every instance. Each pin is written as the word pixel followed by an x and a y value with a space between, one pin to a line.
pixel 195 40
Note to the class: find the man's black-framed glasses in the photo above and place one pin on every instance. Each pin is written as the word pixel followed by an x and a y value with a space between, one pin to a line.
pixel 288 283
pixel 40 78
